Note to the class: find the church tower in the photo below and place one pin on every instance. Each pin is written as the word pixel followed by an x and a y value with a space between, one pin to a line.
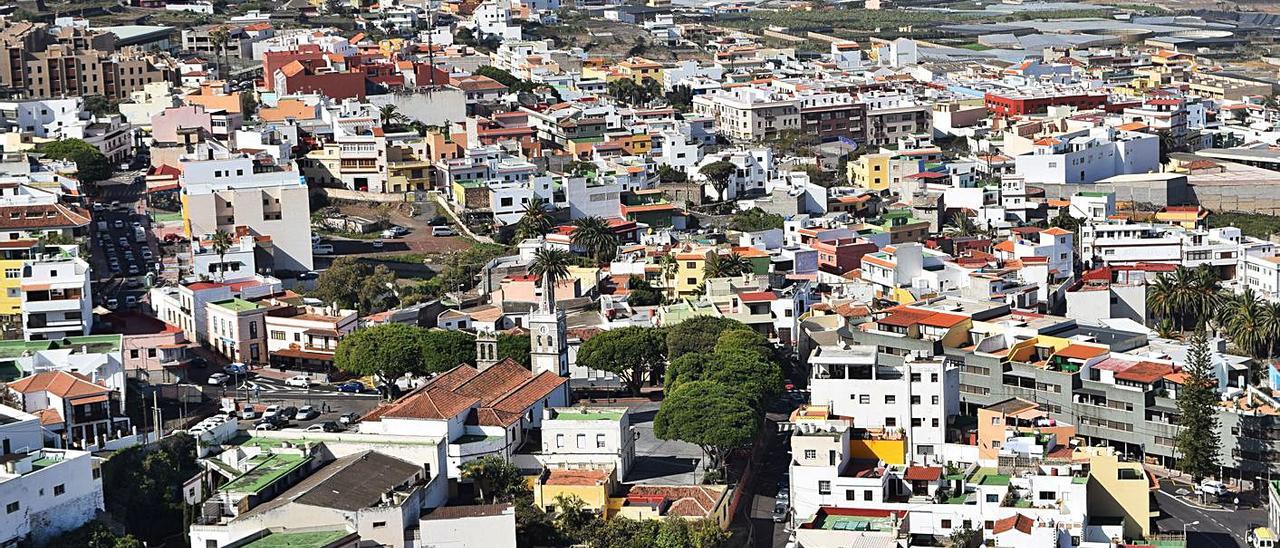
pixel 486 349
pixel 548 349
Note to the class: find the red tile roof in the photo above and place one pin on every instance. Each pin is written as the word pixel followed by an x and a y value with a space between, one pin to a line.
pixel 500 395
pixel 758 296
pixel 1144 372
pixel 1020 522
pixel 58 383
pixel 923 473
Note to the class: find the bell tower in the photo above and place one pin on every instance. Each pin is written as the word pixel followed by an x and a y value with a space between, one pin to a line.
pixel 486 349
pixel 548 349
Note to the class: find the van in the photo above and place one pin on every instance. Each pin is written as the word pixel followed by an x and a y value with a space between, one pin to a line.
pixel 1262 537
pixel 322 249
pixel 442 231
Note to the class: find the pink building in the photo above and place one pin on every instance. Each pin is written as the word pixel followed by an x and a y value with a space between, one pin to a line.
pixel 152 351
pixel 165 125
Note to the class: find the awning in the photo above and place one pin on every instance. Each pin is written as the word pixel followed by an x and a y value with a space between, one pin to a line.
pixel 89 399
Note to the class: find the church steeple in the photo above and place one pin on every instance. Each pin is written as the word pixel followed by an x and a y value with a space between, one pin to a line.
pixel 548 346
pixel 486 349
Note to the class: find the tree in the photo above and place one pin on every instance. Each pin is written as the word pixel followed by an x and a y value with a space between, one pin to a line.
pixel 218 38
pixel 755 220
pixel 553 266
pixel 965 537
pixel 101 105
pixel 719 266
pixel 390 116
pixel 752 378
pixel 536 222
pixel 668 175
pixel 143 486
pixel 709 415
pixel 595 236
pixel 631 353
pixel 516 347
pixel 718 173
pixel 495 479
pixel 349 283
pixel 94 534
pixel 91 165
pixel 1197 439
pixel 642 293
pixel 746 340
pixel 444 349
pixel 386 351
pixel 221 242
pixel 680 97
pixel 962 225
pixel 698 334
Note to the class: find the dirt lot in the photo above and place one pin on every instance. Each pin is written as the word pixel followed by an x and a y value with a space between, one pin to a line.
pixel 405 253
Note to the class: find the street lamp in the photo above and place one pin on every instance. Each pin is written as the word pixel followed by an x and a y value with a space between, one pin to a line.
pixel 1184 529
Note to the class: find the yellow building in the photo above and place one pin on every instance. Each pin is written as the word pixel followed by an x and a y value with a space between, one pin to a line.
pixel 13 256
pixel 871 171
pixel 1189 217
pixel 591 486
pixel 637 69
pixel 691 271
pixel 1119 489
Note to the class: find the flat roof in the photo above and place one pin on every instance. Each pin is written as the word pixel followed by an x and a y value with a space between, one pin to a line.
pixel 93 344
pixel 308 539
pixel 236 305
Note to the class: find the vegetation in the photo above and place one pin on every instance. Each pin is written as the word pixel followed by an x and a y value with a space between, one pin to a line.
pixel 594 235
pixel 755 220
pixel 708 414
pixel 631 353
pixel 221 242
pixel 1258 225
pixel 94 534
pixel 536 221
pixel 1186 297
pixel 698 334
pixel 386 351
pixel 101 105
pixel 143 486
pixel 495 479
pixel 516 347
pixel 643 294
pixel 1197 440
pixel 631 93
pixel 552 265
pixel 91 165
pixel 718 173
pixel 460 269
pixel 722 266
pixel 350 283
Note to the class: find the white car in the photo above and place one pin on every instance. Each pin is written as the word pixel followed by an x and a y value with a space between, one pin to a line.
pixel 271 412
pixel 306 413
pixel 218 379
pixel 300 381
pixel 266 426
pixel 1212 487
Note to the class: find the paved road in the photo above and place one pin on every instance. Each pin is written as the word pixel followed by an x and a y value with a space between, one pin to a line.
pixel 1225 528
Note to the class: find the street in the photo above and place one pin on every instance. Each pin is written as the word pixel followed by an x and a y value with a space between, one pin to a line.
pixel 1225 528
pixel 122 249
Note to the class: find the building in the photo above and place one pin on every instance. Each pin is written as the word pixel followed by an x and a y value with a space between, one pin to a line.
pixel 57 295
pixel 303 338
pixel 1088 156
pixel 1021 103
pixel 476 526
pixel 237 330
pixel 46 492
pixel 73 410
pixel 749 114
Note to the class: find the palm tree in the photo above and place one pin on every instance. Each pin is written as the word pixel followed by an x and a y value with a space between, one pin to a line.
pixel 219 37
pixel 535 222
pixel 595 236
pixel 552 265
pixel 390 115
pixel 1270 326
pixel 722 267
pixel 1244 317
pixel 221 242
pixel 962 225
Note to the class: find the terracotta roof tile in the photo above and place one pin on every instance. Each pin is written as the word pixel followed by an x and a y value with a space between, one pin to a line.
pixel 1020 522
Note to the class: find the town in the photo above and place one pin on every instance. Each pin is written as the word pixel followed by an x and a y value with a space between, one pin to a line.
pixel 639 273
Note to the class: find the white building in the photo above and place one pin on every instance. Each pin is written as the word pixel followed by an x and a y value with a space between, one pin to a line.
pixel 45 492
pixel 755 168
pixel 749 114
pixel 57 295
pixel 1088 156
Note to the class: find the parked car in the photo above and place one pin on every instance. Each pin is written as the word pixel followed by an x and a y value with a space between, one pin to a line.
pixel 322 249
pixel 260 426
pixel 328 426
pixel 271 413
pixel 236 368
pixel 306 413
pixel 438 220
pixel 118 224
pixel 130 301
pixel 377 244
pixel 442 231
pixel 388 234
pixel 354 387
pixel 218 379
pixel 349 418
pixel 399 230
pixel 1211 487
pixel 248 412
pixel 289 413
pixel 780 511
pixel 311 275
pixel 300 381
pixel 112 302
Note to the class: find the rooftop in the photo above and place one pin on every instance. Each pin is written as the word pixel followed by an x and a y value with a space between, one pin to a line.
pixel 309 539
pixel 237 305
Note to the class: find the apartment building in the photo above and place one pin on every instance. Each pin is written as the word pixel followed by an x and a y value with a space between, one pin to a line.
pixel 46 492
pixel 1119 243
pixel 237 330
pixel 303 337
pixel 1163 114
pixel 1088 156
pixel 57 295
pixel 241 194
pixel 892 116
pixel 185 306
pixel 755 168
pixel 750 114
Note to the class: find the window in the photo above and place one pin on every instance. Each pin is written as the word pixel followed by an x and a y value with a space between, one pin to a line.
pixel 992 497
pixel 1047 495
pixel 868 494
pixel 582 441
pixel 559 440
pixel 890 399
pixel 59 489
pixel 810 453
pixel 946 523
pixel 915 400
pixel 600 441
pixel 864 398
pixel 378 524
pixel 13 273
pixel 12 507
pixel 133 354
pixel 935 423
pixel 824 488
pixel 989 524
pixel 915 422
pixel 933 377
pixel 97 473
pixel 890 421
pixel 915 377
pixel 277 335
pixel 933 400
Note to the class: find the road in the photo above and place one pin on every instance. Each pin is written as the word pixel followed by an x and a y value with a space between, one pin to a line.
pixel 1225 528
pixel 119 260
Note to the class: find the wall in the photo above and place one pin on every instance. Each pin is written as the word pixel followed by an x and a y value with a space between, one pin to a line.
pixel 889 451
pixel 494 531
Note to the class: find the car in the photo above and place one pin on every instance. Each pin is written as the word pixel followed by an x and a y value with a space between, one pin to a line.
pixel 115 205
pixel 112 302
pixel 354 387
pixel 306 413
pixel 442 231
pixel 146 254
pixel 780 511
pixel 348 418
pixel 130 301
pixel 124 242
pixel 399 230
pixel 1211 487
pixel 133 269
pixel 289 413
pixel 438 220
pixel 377 244
pixel 271 412
pixel 301 381
pixel 249 412
pixel 98 206
pixel 234 369
pixel 261 426
pixel 118 224
pixel 218 379
pixel 322 249
pixel 310 275
pixel 115 268
pixel 133 283
pixel 388 234
pixel 328 426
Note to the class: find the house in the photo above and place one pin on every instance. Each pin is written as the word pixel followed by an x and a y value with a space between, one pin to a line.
pixel 474 526
pixel 73 410
pixel 46 492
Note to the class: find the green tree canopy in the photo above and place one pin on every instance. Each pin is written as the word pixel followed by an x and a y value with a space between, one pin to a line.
pixel 710 415
pixel 350 283
pixel 745 372
pixel 631 353
pixel 746 340
pixel 755 220
pixel 718 174
pixel 642 293
pixel 143 486
pixel 387 351
pixel 94 534
pixel 91 165
pixel 495 479
pixel 1197 440
pixel 516 347
pixel 698 334
pixel 444 349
